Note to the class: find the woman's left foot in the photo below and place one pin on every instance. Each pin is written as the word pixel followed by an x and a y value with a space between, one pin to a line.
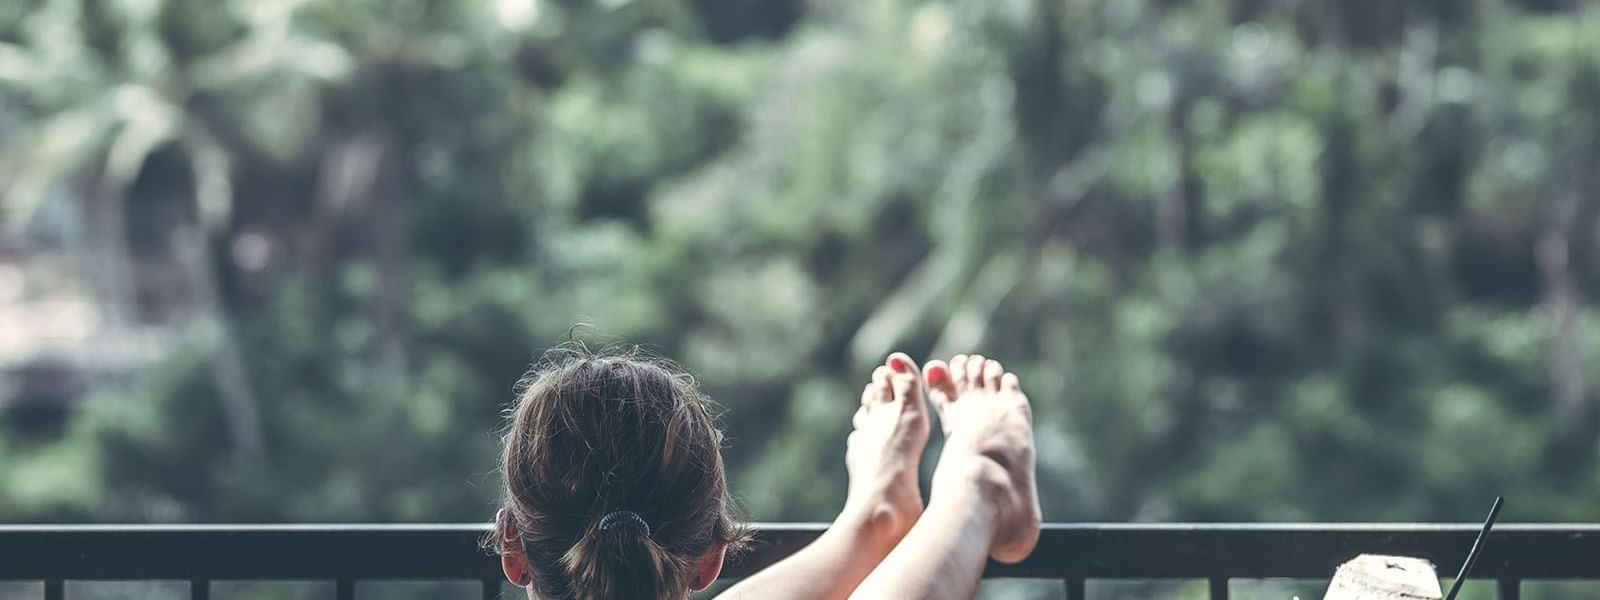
pixel 988 427
pixel 882 454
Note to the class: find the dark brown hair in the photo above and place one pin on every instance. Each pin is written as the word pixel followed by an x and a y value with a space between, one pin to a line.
pixel 597 435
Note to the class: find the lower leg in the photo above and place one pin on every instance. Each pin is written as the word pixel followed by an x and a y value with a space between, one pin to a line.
pixel 943 555
pixel 829 567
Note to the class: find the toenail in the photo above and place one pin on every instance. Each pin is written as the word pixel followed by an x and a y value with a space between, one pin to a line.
pixel 897 364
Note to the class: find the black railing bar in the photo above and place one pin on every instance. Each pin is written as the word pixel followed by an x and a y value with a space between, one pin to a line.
pixel 345 589
pixel 1585 528
pixel 199 589
pixel 438 552
pixel 491 589
pixel 55 589
pixel 817 527
pixel 258 527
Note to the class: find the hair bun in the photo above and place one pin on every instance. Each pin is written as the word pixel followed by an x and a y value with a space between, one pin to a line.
pixel 625 518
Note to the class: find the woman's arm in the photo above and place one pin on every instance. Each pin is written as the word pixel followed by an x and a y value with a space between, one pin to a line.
pixel 882 454
pixel 828 568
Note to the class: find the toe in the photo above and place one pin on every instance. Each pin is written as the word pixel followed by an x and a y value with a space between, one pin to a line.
pixel 941 384
pixel 1010 383
pixel 880 389
pixel 900 362
pixel 906 391
pixel 992 371
pixel 906 381
pixel 958 374
pixel 975 371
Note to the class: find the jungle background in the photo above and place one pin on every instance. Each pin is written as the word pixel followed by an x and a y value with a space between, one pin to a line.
pixel 1254 260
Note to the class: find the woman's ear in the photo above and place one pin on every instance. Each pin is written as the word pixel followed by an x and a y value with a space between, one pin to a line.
pixel 709 567
pixel 513 562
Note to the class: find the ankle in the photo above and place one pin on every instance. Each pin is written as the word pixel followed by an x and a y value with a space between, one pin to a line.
pixel 967 497
pixel 974 473
pixel 876 523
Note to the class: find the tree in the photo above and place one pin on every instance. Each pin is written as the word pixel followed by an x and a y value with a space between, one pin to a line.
pixel 1253 261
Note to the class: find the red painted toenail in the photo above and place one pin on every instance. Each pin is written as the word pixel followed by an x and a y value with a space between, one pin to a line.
pixel 935 375
pixel 897 364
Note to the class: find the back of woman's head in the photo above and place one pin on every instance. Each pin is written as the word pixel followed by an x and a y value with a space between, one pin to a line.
pixel 614 480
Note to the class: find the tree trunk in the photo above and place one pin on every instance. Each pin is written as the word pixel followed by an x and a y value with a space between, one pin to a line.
pixel 390 214
pixel 213 189
pixel 1563 304
pixel 105 256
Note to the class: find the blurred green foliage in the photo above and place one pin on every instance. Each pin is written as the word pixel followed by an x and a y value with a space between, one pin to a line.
pixel 1253 260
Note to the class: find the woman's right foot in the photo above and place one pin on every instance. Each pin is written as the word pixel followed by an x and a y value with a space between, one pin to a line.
pixel 882 453
pixel 988 427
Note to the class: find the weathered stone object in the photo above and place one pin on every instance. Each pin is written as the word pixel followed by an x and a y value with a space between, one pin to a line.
pixel 1378 577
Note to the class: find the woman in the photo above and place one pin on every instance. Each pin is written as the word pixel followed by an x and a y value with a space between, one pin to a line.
pixel 615 486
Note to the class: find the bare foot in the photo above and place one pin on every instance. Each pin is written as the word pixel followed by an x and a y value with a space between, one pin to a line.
pixel 988 429
pixel 891 429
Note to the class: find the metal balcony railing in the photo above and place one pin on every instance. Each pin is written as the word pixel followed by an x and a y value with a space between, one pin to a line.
pixel 1070 554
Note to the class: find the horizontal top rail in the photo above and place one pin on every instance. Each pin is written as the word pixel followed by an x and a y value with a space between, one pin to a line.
pixel 1078 551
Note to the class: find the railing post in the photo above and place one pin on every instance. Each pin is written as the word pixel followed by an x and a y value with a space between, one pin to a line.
pixel 199 589
pixel 55 589
pixel 1219 588
pixel 1074 588
pixel 1510 589
pixel 344 589
pixel 491 588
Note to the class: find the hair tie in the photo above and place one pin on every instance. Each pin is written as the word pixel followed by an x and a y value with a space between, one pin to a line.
pixel 624 517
